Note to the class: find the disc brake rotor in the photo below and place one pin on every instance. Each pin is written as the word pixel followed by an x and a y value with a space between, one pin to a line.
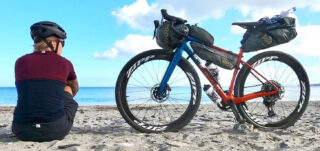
pixel 163 97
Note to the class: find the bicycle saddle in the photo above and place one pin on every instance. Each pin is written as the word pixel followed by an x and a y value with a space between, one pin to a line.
pixel 247 25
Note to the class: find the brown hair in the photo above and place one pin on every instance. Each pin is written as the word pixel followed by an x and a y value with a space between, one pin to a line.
pixel 41 45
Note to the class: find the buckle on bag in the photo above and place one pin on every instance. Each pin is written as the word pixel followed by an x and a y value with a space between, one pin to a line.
pixel 37 125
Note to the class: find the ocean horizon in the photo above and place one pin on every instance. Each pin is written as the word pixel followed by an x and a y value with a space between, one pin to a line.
pixel 106 96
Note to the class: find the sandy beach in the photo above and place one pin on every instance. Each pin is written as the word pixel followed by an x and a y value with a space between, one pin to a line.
pixel 102 128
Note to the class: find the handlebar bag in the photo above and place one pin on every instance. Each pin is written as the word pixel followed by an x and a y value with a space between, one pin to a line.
pixel 269 35
pixel 204 36
pixel 222 59
pixel 167 38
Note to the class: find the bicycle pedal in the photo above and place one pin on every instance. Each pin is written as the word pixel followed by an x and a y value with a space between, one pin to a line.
pixel 222 106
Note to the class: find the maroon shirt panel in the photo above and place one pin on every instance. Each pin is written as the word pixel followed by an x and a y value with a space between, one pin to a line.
pixel 44 65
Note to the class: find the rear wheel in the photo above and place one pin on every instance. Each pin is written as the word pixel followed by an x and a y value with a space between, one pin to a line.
pixel 280 110
pixel 138 84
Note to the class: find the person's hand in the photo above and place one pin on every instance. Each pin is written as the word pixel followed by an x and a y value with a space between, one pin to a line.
pixel 68 89
pixel 74 86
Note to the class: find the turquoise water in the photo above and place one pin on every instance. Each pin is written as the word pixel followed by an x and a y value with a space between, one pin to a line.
pixel 85 96
pixel 106 96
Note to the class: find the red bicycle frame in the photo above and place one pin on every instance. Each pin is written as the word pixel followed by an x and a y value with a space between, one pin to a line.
pixel 229 95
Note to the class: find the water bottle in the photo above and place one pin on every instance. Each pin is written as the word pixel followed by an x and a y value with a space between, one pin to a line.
pixel 286 13
pixel 275 19
pixel 214 71
pixel 212 94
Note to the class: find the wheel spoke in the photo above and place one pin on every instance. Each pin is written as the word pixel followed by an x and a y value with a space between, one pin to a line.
pixel 283 73
pixel 180 86
pixel 142 105
pixel 156 73
pixel 142 85
pixel 292 81
pixel 137 99
pixel 138 91
pixel 144 79
pixel 152 77
pixel 287 77
pixel 175 102
pixel 257 104
pixel 269 69
pixel 176 76
pixel 263 73
pixel 253 86
pixel 180 93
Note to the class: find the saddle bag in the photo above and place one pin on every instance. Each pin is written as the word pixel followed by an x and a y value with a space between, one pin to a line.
pixel 269 35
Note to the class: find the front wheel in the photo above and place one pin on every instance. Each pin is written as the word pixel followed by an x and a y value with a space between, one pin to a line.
pixel 280 110
pixel 137 87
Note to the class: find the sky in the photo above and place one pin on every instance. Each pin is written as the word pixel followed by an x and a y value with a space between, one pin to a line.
pixel 103 35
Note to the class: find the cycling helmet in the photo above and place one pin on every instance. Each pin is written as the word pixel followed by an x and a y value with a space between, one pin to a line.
pixel 46 29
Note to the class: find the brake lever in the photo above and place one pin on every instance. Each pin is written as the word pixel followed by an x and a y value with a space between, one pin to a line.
pixel 168 17
pixel 156 25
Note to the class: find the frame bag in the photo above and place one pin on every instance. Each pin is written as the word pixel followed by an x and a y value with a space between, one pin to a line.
pixel 222 59
pixel 269 35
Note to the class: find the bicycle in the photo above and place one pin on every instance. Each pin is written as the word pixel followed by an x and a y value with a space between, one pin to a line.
pixel 159 90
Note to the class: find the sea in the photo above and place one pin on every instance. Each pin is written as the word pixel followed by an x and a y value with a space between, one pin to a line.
pixel 106 96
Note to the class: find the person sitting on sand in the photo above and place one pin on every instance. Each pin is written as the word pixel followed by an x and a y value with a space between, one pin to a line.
pixel 46 83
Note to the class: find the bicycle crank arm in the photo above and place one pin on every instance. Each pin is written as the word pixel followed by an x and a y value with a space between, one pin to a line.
pixel 236 112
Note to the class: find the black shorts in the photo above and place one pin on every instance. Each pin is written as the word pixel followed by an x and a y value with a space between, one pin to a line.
pixel 55 130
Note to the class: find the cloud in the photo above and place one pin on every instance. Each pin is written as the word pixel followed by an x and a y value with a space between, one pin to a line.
pixel 313 73
pixel 237 30
pixel 129 46
pixel 305 44
pixel 139 15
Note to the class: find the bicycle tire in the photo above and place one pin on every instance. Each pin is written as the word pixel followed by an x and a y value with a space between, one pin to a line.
pixel 299 101
pixel 125 86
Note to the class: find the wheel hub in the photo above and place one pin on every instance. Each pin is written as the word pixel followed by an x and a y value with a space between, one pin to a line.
pixel 163 97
